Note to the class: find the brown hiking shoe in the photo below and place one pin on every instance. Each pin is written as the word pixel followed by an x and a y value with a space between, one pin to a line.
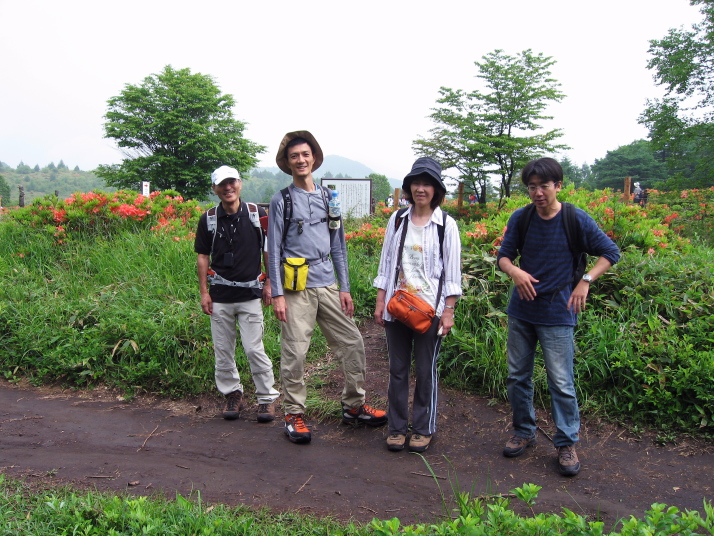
pixel 517 445
pixel 568 462
pixel 233 402
pixel 395 442
pixel 266 412
pixel 419 443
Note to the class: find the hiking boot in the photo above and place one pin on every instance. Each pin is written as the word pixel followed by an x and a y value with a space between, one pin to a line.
pixel 517 445
pixel 233 404
pixel 296 429
pixel 365 414
pixel 568 462
pixel 395 442
pixel 419 443
pixel 266 412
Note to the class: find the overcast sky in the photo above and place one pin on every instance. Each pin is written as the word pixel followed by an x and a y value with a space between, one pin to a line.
pixel 362 76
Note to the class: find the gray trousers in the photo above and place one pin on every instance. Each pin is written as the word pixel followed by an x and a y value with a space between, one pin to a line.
pixel 402 342
pixel 249 316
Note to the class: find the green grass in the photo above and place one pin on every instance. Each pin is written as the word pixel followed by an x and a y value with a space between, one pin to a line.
pixel 64 511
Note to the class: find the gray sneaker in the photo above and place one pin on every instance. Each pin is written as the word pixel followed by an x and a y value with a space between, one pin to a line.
pixel 517 446
pixel 568 462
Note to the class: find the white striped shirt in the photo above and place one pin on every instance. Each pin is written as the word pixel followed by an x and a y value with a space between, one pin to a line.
pixel 433 263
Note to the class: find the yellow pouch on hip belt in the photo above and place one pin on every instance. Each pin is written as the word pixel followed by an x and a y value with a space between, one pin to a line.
pixel 295 273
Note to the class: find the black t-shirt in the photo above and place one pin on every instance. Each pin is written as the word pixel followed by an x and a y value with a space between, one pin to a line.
pixel 236 236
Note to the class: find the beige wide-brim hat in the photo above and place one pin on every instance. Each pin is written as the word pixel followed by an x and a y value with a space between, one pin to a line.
pixel 281 159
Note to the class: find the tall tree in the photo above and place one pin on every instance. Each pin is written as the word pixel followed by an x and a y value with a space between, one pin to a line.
pixel 173 130
pixel 571 172
pixel 4 191
pixel 496 131
pixel 637 160
pixel 682 123
pixel 380 186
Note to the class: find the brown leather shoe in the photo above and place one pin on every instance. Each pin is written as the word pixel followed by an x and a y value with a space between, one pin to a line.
pixel 395 442
pixel 266 412
pixel 568 463
pixel 233 404
pixel 517 445
pixel 419 443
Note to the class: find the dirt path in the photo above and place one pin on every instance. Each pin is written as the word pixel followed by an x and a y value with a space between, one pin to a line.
pixel 96 440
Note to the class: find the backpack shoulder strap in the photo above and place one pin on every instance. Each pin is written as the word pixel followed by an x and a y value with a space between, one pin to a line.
pixel 287 210
pixel 572 228
pixel 212 219
pixel 441 229
pixel 523 223
pixel 212 223
pixel 574 235
pixel 399 219
pixel 254 216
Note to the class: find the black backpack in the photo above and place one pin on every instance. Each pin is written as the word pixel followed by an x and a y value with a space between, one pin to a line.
pixel 572 232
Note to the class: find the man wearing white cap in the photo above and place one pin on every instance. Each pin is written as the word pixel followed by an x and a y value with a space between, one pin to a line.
pixel 299 233
pixel 229 243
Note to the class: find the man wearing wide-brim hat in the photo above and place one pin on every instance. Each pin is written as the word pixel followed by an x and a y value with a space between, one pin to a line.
pixel 298 230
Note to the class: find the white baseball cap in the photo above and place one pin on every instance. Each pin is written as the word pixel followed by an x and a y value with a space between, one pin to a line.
pixel 223 173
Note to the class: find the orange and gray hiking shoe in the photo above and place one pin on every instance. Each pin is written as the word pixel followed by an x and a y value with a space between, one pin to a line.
pixel 365 414
pixel 296 429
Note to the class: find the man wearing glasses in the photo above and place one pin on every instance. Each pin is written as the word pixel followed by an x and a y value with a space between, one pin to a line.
pixel 545 303
pixel 299 230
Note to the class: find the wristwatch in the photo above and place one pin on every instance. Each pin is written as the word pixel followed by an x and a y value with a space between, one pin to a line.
pixel 588 278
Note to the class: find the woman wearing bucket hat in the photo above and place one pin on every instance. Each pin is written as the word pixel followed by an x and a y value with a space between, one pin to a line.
pixel 421 254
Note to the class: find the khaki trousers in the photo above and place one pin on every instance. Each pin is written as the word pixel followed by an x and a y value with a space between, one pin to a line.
pixel 321 306
pixel 249 316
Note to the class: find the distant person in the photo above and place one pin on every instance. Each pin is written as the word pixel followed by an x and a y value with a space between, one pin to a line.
pixel 229 244
pixel 545 303
pixel 643 197
pixel 638 193
pixel 300 234
pixel 390 201
pixel 421 254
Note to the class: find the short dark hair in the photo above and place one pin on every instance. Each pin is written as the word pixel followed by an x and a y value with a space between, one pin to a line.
pixel 439 192
pixel 548 169
pixel 297 141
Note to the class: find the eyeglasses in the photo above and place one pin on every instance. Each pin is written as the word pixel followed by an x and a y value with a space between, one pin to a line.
pixel 543 187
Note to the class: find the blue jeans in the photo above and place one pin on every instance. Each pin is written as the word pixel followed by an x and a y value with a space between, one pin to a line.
pixel 558 347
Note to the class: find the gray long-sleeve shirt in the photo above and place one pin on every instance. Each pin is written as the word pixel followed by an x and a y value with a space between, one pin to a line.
pixel 326 251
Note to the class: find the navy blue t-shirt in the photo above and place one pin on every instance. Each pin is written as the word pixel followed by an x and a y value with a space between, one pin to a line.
pixel 547 257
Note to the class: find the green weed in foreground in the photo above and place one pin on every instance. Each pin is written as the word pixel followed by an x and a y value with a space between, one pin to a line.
pixel 64 511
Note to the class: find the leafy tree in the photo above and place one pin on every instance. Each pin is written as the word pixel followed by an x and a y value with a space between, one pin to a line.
pixel 76 168
pixel 682 123
pixel 380 186
pixel 23 168
pixel 328 175
pixel 174 129
pixel 636 160
pixel 36 168
pixel 494 131
pixel 571 172
pixel 52 166
pixel 4 190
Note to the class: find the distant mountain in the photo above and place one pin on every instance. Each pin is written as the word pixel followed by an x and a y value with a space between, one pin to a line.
pixel 335 165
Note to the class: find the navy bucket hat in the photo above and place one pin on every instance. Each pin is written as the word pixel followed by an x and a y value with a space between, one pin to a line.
pixel 424 166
